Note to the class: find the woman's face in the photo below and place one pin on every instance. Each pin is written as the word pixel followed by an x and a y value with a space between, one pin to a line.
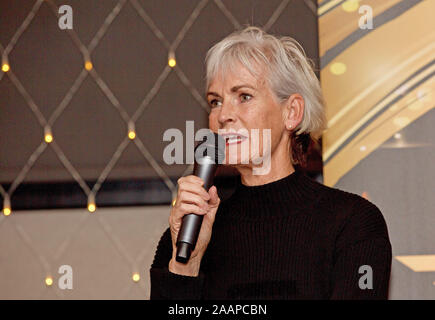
pixel 240 103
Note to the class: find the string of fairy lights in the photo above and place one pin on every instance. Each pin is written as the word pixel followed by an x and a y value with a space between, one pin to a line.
pixel 49 139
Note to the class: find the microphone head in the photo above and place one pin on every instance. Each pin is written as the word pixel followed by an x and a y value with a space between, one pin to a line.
pixel 213 146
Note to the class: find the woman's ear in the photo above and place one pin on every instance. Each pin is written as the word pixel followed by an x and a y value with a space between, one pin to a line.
pixel 293 111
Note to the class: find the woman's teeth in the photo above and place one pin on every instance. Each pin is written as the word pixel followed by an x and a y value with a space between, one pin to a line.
pixel 233 139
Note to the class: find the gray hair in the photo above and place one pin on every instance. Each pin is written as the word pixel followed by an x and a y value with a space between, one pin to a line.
pixel 288 68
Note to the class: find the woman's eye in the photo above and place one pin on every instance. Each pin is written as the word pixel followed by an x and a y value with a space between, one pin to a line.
pixel 245 97
pixel 215 103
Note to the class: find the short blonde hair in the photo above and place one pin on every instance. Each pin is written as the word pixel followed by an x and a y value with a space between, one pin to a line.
pixel 288 71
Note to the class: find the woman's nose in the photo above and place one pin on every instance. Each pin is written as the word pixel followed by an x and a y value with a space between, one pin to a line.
pixel 226 114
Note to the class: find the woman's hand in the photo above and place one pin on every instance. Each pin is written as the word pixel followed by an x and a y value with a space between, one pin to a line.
pixel 192 198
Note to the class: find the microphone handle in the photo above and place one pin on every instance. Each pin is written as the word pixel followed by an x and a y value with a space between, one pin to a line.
pixel 191 225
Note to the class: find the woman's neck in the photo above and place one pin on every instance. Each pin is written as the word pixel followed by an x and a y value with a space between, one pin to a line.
pixel 280 167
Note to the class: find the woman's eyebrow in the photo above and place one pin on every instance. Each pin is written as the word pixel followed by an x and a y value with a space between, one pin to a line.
pixel 236 88
pixel 212 94
pixel 233 89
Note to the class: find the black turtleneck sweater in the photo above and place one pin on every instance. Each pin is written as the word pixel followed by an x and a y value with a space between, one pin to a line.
pixel 293 238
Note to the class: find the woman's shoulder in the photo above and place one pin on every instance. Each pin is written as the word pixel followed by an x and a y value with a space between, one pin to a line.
pixel 336 198
pixel 356 217
pixel 344 199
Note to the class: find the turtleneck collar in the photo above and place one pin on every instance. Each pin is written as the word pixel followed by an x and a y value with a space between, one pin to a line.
pixel 277 197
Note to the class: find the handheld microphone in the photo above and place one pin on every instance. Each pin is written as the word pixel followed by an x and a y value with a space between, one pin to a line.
pixel 208 155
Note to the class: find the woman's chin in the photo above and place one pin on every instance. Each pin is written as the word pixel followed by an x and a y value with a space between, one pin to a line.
pixel 235 163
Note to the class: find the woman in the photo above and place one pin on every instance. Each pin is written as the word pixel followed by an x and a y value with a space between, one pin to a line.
pixel 281 235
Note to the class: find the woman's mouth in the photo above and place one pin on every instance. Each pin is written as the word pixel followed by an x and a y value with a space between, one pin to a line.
pixel 233 139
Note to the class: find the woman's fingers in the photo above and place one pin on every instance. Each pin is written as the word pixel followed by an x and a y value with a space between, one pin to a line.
pixel 190 179
pixel 193 187
pixel 187 208
pixel 193 198
pixel 214 198
pixel 177 214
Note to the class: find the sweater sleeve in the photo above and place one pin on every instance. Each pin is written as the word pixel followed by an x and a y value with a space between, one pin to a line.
pixel 166 285
pixel 362 262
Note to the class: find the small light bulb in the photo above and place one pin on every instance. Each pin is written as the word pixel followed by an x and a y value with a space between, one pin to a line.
pixel 91 203
pixel 48 281
pixel 7 206
pixel 88 65
pixel 397 135
pixel 363 148
pixel 136 277
pixel 172 62
pixel 131 130
pixel 7 211
pixel 48 138
pixel 171 59
pixel 5 67
pixel 91 207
